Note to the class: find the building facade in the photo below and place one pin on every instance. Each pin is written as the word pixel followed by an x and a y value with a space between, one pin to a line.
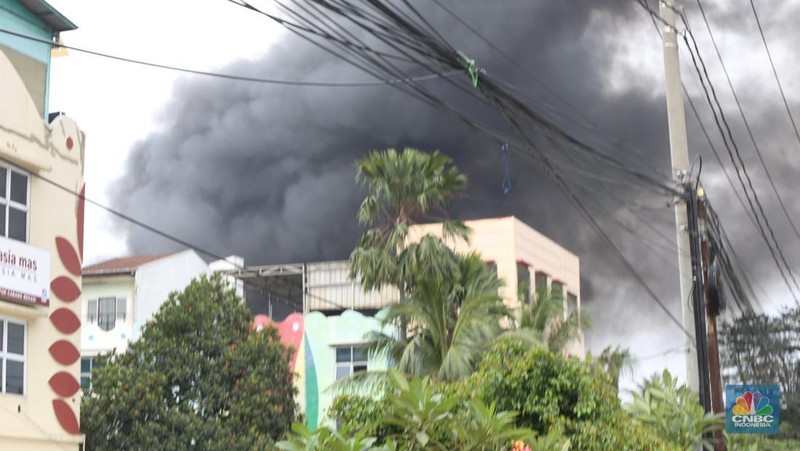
pixel 122 294
pixel 329 314
pixel 41 240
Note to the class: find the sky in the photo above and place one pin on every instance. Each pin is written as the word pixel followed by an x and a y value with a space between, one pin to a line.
pixel 267 171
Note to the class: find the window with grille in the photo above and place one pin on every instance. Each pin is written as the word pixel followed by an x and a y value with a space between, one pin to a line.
pixel 106 312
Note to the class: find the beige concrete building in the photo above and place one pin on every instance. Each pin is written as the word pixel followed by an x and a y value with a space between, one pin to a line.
pixel 522 257
pixel 41 228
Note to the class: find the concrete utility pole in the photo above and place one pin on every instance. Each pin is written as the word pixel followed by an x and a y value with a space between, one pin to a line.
pixel 679 151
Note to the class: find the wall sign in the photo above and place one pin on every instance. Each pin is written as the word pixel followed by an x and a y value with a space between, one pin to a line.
pixel 24 273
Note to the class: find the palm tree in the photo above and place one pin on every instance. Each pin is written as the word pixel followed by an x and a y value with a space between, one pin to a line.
pixel 402 189
pixel 614 361
pixel 452 320
pixel 544 320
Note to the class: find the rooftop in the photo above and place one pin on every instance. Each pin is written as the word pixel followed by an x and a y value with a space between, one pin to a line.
pixel 121 265
pixel 49 15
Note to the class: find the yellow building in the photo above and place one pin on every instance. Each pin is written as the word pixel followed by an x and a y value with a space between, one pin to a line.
pixel 41 228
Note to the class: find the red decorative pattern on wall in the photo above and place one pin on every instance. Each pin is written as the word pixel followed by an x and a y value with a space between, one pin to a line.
pixel 65 289
pixel 68 256
pixel 64 352
pixel 79 214
pixel 66 417
pixel 65 321
pixel 64 384
pixel 290 330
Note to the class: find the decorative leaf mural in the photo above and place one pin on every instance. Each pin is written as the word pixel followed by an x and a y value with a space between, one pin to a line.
pixel 66 417
pixel 79 214
pixel 65 320
pixel 69 257
pixel 65 288
pixel 64 352
pixel 64 384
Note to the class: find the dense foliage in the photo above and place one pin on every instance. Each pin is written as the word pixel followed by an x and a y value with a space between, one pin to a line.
pixel 452 321
pixel 417 415
pixel 403 189
pixel 674 413
pixel 544 319
pixel 559 398
pixel 198 376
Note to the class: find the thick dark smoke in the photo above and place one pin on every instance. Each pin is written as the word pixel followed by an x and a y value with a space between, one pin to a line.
pixel 267 171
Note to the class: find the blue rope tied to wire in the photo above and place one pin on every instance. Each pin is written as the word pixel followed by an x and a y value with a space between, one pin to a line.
pixel 506 176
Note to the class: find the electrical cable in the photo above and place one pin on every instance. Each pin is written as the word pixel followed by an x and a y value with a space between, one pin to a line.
pixel 746 175
pixel 503 104
pixel 156 231
pixel 587 122
pixel 723 241
pixel 230 76
pixel 775 73
pixel 741 110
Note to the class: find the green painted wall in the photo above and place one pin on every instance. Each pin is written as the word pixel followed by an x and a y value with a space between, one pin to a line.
pixel 322 335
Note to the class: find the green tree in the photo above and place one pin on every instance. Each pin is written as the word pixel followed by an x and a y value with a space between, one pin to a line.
pixel 553 392
pixel 402 189
pixel 544 320
pixel 452 320
pixel 415 414
pixel 198 376
pixel 674 413
pixel 763 349
pixel 614 361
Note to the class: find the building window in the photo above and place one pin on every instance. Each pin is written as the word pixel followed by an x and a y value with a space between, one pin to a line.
pixel 524 282
pixel 106 311
pixel 14 196
pixel 492 266
pixel 12 352
pixel 87 365
pixel 541 282
pixel 572 303
pixel 557 288
pixel 350 360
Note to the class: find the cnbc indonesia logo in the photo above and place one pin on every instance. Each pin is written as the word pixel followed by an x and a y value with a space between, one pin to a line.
pixel 752 411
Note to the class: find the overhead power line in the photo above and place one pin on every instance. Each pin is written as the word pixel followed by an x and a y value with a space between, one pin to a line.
pixel 744 118
pixel 318 84
pixel 160 233
pixel 751 195
pixel 775 73
pixel 413 41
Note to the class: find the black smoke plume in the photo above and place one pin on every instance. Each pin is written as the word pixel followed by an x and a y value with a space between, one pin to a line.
pixel 267 172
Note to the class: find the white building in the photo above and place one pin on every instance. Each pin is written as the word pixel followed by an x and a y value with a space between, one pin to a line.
pixel 122 294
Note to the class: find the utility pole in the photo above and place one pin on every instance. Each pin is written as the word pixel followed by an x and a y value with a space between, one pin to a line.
pixel 699 297
pixel 713 307
pixel 679 152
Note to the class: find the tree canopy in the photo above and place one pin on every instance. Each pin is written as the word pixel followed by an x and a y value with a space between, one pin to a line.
pixel 198 376
pixel 763 349
pixel 453 320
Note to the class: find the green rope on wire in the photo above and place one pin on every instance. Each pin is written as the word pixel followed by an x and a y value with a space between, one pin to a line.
pixel 471 69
